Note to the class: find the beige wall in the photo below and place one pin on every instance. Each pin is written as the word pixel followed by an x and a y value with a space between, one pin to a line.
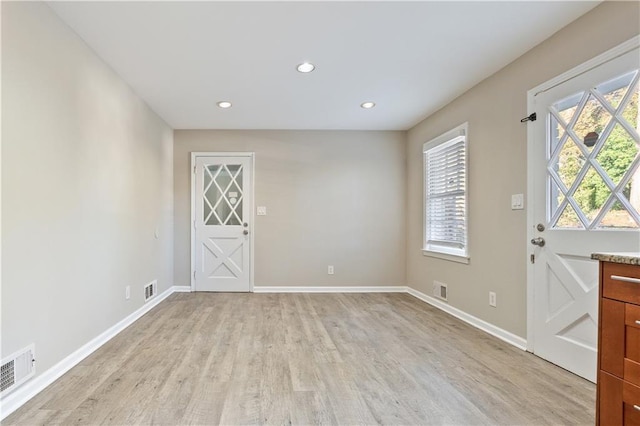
pixel 498 164
pixel 332 197
pixel 86 180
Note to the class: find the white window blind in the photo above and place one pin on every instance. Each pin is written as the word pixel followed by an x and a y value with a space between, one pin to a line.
pixel 445 163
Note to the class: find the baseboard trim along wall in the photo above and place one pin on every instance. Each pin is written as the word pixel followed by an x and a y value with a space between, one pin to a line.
pixel 354 289
pixel 20 396
pixel 495 331
pixel 24 393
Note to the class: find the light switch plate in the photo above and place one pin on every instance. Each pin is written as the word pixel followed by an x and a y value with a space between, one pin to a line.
pixel 262 211
pixel 517 202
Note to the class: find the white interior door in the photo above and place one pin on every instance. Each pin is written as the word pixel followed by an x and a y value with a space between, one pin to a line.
pixel 586 198
pixel 223 208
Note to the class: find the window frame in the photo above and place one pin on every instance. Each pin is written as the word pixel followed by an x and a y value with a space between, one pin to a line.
pixel 452 254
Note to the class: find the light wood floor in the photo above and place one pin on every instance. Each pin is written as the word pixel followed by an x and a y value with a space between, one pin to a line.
pixel 204 358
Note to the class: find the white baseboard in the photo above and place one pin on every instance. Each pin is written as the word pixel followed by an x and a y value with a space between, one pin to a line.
pixel 498 332
pixel 181 289
pixel 14 400
pixel 354 289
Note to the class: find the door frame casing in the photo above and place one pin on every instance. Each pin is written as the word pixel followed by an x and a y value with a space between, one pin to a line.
pixel 192 165
pixel 607 56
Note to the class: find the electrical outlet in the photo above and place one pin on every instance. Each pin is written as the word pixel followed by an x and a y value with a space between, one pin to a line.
pixel 127 292
pixel 330 270
pixel 492 299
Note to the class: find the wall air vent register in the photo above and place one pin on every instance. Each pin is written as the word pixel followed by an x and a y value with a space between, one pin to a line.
pixel 17 369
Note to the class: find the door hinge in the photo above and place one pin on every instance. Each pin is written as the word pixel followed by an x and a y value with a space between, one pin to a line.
pixel 194 224
pixel 533 258
pixel 194 169
pixel 194 275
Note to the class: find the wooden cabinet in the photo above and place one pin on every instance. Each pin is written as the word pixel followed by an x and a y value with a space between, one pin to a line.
pixel 618 397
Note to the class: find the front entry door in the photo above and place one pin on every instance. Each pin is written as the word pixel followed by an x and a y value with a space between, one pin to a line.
pixel 586 198
pixel 222 226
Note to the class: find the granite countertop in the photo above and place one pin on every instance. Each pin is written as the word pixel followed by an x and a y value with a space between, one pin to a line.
pixel 629 258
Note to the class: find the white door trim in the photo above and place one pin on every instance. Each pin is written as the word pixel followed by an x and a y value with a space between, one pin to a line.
pixel 607 56
pixel 192 165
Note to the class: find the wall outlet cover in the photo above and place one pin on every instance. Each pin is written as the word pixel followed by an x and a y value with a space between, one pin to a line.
pixel 492 299
pixel 517 202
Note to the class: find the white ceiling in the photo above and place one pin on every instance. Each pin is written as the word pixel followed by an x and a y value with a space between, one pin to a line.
pixel 411 58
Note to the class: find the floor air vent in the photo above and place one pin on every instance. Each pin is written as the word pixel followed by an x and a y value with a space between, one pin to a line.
pixel 150 290
pixel 17 368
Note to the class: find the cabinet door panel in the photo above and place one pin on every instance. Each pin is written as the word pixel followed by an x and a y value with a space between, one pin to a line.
pixel 612 337
pixel 610 408
pixel 631 415
pixel 621 282
pixel 631 394
pixel 633 344
pixel 632 314
pixel 631 399
pixel 632 371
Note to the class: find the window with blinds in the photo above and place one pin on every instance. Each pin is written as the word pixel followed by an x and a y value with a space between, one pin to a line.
pixel 445 209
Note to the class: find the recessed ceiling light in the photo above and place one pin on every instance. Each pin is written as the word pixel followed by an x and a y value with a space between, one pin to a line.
pixel 306 67
pixel 367 105
pixel 224 104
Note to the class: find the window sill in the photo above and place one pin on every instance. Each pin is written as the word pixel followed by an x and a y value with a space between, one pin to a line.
pixel 444 256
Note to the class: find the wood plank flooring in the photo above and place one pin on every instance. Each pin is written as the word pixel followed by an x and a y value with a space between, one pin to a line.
pixel 206 358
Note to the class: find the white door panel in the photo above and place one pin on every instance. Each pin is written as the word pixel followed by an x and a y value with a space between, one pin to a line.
pixel 222 222
pixel 586 197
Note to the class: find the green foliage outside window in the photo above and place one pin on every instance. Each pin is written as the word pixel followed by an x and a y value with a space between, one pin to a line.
pixel 615 157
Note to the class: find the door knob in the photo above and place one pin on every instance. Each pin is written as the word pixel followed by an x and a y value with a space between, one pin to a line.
pixel 538 241
pixel 245 232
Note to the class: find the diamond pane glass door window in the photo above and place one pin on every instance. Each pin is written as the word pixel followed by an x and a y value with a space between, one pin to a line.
pixel 222 194
pixel 593 166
